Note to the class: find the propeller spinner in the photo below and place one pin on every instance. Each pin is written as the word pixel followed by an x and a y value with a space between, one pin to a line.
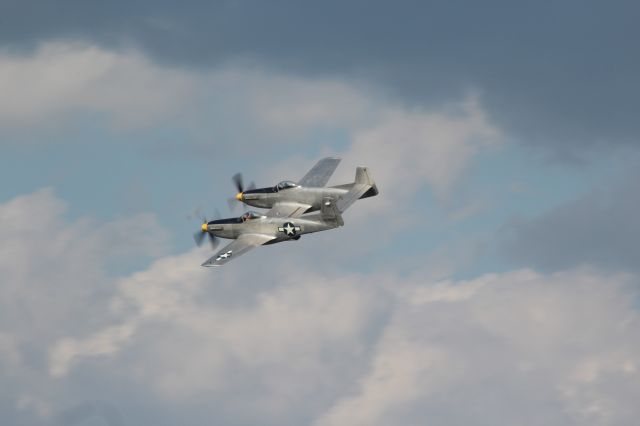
pixel 204 231
pixel 238 181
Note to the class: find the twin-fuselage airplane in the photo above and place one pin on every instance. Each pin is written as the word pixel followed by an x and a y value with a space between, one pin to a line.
pixel 295 209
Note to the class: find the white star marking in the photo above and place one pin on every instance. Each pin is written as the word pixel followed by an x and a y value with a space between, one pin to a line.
pixel 290 229
pixel 224 255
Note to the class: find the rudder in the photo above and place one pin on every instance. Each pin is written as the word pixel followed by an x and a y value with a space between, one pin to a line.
pixel 363 177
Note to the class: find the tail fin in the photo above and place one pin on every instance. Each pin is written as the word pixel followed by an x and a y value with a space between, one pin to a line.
pixel 363 177
pixel 363 187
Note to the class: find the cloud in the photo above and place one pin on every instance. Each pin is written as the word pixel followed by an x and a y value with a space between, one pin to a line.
pixel 73 79
pixel 54 275
pixel 104 343
pixel 564 78
pixel 301 344
pixel 47 260
pixel 248 109
pixel 407 149
pixel 512 348
pixel 62 79
pixel 597 228
pixel 560 348
pixel 298 329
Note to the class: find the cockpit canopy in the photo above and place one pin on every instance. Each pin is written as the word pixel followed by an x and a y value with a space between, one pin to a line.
pixel 286 184
pixel 250 215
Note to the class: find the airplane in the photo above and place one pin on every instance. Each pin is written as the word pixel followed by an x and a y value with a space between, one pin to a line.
pixel 306 195
pixel 284 222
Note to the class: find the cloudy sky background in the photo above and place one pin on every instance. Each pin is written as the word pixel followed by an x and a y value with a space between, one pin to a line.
pixel 495 279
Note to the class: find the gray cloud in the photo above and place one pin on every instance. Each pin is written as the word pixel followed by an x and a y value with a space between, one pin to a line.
pixel 88 410
pixel 563 74
pixel 599 228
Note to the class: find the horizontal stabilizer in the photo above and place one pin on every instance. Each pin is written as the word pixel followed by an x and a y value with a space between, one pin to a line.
pixel 364 186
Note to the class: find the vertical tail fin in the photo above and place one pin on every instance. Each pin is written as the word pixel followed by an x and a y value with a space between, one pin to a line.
pixel 363 177
pixel 363 187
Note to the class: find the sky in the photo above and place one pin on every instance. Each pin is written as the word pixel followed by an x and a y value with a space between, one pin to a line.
pixel 494 280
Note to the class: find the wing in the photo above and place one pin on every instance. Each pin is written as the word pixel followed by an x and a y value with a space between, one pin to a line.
pixel 319 174
pixel 237 247
pixel 288 210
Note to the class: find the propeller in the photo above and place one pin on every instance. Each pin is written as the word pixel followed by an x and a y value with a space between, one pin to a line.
pixel 204 231
pixel 238 181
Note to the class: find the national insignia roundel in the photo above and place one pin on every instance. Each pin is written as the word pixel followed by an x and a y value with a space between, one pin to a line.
pixel 289 229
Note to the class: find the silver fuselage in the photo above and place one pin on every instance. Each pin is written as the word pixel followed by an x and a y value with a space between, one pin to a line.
pixel 283 229
pixel 266 198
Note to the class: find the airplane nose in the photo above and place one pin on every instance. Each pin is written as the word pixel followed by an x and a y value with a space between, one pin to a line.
pixel 205 227
pixel 239 196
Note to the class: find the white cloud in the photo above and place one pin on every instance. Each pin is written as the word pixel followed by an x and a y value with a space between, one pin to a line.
pixel 406 149
pixel 518 347
pixel 247 109
pixel 53 284
pixel 61 79
pixel 299 329
pixel 302 345
pixel 514 348
pixel 104 343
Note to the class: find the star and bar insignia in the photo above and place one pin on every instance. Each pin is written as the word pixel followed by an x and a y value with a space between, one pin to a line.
pixel 290 229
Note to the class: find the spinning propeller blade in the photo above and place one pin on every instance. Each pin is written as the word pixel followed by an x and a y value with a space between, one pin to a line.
pixel 239 184
pixel 237 179
pixel 199 236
